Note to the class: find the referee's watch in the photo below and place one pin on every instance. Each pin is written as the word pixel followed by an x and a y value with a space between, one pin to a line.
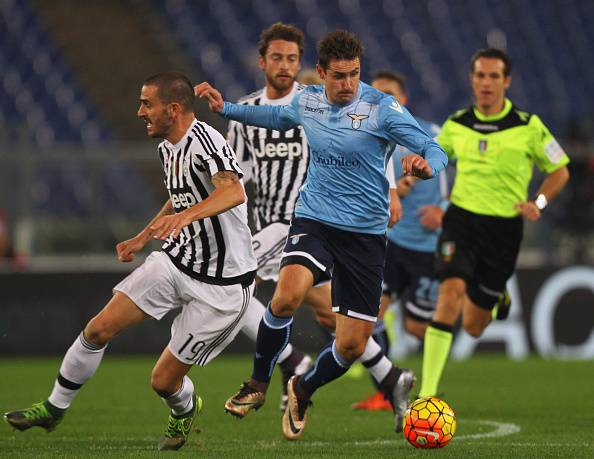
pixel 541 201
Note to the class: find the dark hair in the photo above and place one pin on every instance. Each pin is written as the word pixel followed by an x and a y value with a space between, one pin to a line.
pixel 341 45
pixel 173 87
pixel 493 53
pixel 280 31
pixel 399 78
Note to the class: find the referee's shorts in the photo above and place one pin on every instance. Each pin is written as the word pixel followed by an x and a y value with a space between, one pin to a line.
pixel 480 249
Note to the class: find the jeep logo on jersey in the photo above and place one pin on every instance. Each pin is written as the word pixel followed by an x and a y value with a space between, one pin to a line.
pixel 357 119
pixel 182 200
pixel 272 149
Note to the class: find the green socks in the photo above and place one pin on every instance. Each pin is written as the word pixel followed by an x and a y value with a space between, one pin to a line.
pixel 438 341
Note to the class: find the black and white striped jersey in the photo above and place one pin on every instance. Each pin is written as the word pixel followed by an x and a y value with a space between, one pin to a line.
pixel 217 249
pixel 278 161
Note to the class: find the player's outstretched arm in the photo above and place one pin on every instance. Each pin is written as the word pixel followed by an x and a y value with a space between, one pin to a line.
pixel 127 249
pixel 279 118
pixel 228 193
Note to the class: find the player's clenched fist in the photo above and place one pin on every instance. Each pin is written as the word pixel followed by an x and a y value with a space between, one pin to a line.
pixel 127 249
pixel 417 166
pixel 214 97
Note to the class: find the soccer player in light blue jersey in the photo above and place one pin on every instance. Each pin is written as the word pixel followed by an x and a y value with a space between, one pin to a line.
pixel 409 270
pixel 340 219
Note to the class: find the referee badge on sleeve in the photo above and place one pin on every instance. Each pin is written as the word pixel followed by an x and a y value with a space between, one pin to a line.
pixel 448 248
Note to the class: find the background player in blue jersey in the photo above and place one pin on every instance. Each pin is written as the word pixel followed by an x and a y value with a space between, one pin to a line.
pixel 409 271
pixel 340 219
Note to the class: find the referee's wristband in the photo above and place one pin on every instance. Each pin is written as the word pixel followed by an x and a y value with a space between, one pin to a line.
pixel 541 202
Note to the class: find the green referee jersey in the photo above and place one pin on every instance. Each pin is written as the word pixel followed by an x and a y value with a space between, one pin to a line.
pixel 495 156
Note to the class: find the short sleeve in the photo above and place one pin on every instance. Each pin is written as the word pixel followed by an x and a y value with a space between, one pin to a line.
pixel 445 139
pixel 547 154
pixel 213 152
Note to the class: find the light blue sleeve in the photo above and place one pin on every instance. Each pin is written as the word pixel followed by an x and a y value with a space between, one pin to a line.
pixel 278 118
pixel 400 127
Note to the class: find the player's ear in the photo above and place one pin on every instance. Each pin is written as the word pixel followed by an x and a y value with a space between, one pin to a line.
pixel 507 82
pixel 321 71
pixel 261 62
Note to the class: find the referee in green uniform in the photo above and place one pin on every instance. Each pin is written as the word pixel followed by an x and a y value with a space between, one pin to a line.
pixel 495 145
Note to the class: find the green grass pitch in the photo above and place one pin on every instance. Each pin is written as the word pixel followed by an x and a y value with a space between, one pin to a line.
pixel 534 408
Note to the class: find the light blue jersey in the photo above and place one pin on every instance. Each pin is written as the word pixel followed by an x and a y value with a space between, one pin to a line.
pixel 350 145
pixel 408 232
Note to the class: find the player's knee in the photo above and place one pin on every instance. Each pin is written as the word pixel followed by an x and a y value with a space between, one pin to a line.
pixel 473 328
pixel 286 302
pixel 415 328
pixel 163 384
pixel 351 348
pixel 98 331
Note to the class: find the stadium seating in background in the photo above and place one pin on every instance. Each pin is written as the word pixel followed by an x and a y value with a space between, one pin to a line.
pixel 431 41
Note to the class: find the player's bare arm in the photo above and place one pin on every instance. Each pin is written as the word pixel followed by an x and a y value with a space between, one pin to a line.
pixel 128 248
pixel 549 189
pixel 214 97
pixel 395 208
pixel 228 193
pixel 416 166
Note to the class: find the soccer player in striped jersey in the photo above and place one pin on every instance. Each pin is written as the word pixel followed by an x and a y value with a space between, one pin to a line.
pixel 279 160
pixel 341 215
pixel 206 266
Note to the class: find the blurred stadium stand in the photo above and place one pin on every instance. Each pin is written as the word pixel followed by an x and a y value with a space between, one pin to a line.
pixel 74 160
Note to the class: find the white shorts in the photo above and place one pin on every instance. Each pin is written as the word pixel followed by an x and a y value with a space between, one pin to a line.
pixel 268 248
pixel 211 315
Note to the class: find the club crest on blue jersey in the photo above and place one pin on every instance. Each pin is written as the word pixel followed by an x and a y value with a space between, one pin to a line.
pixel 482 145
pixel 357 119
pixel 295 238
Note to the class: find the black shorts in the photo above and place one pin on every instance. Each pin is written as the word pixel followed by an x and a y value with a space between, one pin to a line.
pixel 410 275
pixel 355 261
pixel 480 249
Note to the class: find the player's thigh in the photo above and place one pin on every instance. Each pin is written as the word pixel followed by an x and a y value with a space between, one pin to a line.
pixel 319 299
pixel 209 320
pixel 168 373
pixel 268 244
pixel 305 262
pixel 352 335
pixel 357 274
pixel 419 299
pixel 119 313
pixel 458 245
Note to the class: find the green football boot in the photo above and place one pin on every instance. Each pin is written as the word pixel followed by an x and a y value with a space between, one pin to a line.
pixel 41 414
pixel 502 307
pixel 178 427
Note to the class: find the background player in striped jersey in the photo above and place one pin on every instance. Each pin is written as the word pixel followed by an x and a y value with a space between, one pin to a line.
pixel 279 160
pixel 409 272
pixel 496 146
pixel 206 266
pixel 341 215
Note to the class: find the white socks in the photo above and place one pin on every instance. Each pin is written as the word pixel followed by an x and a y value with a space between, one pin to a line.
pixel 253 316
pixel 79 364
pixel 375 361
pixel 181 402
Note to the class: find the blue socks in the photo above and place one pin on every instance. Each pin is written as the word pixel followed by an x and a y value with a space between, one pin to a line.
pixel 273 337
pixel 329 366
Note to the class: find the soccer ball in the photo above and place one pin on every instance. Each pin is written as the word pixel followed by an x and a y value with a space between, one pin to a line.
pixel 429 423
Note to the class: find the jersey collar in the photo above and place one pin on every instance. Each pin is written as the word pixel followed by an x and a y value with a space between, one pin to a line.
pixel 286 100
pixel 169 145
pixel 507 106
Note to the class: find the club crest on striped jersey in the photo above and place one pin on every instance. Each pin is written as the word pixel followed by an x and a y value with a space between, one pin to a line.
pixel 357 119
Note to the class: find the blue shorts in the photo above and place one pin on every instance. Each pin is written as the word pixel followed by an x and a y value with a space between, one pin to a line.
pixel 410 275
pixel 354 261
